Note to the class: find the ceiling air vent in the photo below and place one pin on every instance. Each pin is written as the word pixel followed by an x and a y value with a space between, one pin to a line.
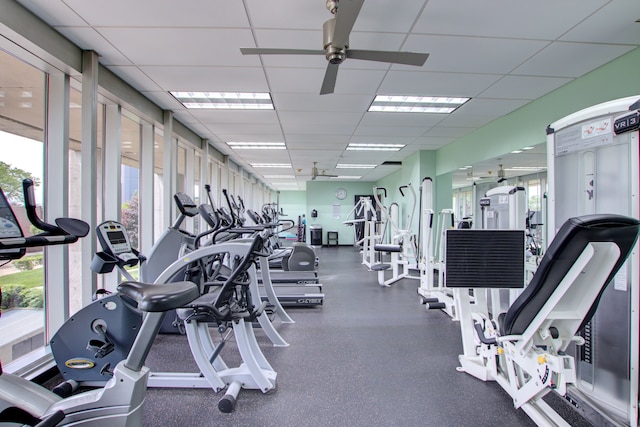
pixel 391 164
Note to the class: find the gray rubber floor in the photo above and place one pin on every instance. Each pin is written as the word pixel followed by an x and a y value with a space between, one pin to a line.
pixel 370 356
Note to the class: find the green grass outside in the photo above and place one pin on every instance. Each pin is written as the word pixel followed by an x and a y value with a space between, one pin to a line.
pixel 28 278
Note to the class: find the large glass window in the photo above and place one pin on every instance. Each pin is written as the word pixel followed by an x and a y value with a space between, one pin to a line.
pixel 75 189
pixel 22 94
pixel 158 185
pixel 130 177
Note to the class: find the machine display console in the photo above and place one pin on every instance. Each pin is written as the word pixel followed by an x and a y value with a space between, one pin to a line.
pixel 186 205
pixel 114 240
pixel 9 228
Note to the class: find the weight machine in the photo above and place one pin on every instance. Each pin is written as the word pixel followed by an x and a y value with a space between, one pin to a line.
pixel 434 293
pixel 365 213
pixel 402 244
pixel 592 160
pixel 525 349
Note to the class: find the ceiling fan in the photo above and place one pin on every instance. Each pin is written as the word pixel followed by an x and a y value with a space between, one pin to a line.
pixel 336 44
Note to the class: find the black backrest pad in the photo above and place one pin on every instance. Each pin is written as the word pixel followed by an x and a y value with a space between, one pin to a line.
pixel 566 247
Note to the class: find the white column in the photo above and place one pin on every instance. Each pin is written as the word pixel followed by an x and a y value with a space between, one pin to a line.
pixel 169 169
pixel 146 194
pixel 89 168
pixel 56 199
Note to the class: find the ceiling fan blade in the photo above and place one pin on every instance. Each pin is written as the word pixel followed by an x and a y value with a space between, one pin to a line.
pixel 329 82
pixel 269 51
pixel 406 58
pixel 348 11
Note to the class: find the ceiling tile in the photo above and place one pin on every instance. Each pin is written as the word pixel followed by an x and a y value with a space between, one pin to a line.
pixel 238 79
pixel 319 138
pixel 480 107
pixel 614 23
pixel 389 131
pixel 161 13
pixel 524 87
pixel 182 46
pixel 473 54
pixel 54 12
pixel 313 102
pixel 240 117
pixel 435 84
pixel 545 19
pixel 245 129
pixel 305 15
pixel 563 59
pixel 401 119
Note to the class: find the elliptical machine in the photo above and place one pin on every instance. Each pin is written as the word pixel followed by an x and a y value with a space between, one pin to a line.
pixel 119 403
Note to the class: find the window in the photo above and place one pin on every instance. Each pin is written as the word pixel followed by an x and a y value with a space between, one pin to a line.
pixel 22 95
pixel 130 177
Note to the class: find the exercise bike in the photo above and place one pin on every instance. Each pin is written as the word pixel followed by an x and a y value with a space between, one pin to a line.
pixel 120 401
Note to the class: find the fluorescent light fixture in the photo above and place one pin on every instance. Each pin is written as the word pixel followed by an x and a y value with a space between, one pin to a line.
pixel 354 166
pixel 271 165
pixel 526 168
pixel 279 177
pixel 528 148
pixel 343 177
pixel 225 100
pixel 257 145
pixel 516 152
pixel 374 147
pixel 416 104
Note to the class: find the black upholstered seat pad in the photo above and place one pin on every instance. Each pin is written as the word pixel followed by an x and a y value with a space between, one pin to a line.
pixel 572 238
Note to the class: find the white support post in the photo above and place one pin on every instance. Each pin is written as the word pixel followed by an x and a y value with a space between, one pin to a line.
pixel 111 183
pixel 169 169
pixel 56 199
pixel 89 169
pixel 146 191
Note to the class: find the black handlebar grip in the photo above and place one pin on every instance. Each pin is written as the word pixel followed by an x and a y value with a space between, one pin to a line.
pixel 30 208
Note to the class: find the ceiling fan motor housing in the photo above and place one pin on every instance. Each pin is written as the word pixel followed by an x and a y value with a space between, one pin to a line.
pixel 333 54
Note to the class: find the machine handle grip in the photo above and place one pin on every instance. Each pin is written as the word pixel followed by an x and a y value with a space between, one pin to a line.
pixel 30 207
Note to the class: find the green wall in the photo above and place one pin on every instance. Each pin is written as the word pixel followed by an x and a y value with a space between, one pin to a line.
pixel 293 204
pixel 321 196
pixel 526 126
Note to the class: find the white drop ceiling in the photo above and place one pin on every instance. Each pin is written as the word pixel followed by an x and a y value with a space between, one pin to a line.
pixel 503 55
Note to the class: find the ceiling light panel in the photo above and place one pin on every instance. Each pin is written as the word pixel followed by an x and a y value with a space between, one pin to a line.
pixel 225 100
pixel 271 165
pixel 257 145
pixel 354 166
pixel 375 147
pixel 416 104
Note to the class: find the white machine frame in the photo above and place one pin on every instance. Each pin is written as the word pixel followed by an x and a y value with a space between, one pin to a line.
pixel 369 239
pixel 434 295
pixel 615 108
pixel 530 365
pixel 401 245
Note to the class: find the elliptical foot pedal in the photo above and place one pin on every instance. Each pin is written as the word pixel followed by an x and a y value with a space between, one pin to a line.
pixel 380 267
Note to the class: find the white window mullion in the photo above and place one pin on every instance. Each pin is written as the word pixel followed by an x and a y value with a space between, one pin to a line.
pixel 146 194
pixel 56 200
pixel 89 168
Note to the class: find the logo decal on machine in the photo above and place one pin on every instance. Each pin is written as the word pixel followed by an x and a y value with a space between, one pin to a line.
pixel 626 123
pixel 79 364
